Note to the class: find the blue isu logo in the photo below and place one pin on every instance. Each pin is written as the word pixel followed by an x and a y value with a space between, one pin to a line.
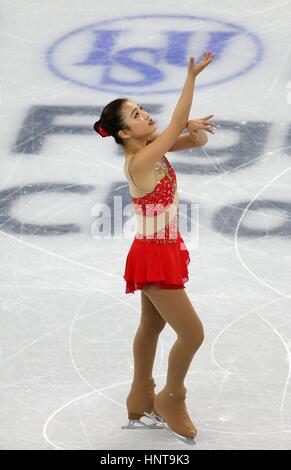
pixel 149 54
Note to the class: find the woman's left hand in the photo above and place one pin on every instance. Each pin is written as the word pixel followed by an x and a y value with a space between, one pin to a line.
pixel 195 125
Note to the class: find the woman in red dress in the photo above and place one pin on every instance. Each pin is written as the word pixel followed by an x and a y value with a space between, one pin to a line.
pixel 157 260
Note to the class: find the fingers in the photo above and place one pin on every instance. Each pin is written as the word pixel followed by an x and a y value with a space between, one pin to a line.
pixel 204 124
pixel 206 129
pixel 207 58
pixel 207 117
pixel 203 128
pixel 197 68
pixel 208 55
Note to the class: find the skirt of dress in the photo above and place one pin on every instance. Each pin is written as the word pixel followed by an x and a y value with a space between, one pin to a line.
pixel 163 264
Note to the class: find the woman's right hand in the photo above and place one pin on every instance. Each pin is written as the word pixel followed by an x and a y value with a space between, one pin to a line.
pixel 195 69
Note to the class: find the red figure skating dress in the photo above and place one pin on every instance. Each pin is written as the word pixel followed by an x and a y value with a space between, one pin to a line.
pixel 158 254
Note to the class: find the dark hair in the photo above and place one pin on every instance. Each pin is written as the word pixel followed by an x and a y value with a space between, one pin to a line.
pixel 111 119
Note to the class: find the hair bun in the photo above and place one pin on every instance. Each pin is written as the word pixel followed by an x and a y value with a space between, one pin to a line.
pixel 98 127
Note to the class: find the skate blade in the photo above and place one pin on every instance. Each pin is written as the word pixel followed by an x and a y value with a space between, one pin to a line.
pixel 139 424
pixel 155 418
pixel 187 440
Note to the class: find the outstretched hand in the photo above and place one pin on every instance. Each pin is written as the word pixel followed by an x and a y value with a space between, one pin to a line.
pixel 195 69
pixel 195 125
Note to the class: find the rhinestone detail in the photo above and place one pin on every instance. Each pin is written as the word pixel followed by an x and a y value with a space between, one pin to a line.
pixel 156 202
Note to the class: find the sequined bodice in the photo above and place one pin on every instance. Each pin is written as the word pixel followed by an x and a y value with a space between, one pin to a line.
pixel 157 211
pixel 162 195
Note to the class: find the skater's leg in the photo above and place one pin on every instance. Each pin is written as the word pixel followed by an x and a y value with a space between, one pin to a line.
pixel 176 309
pixel 141 396
pixel 146 339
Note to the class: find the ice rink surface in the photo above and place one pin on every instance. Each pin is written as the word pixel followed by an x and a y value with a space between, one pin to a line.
pixel 67 326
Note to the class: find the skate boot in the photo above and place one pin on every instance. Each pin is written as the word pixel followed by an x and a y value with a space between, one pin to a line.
pixel 174 416
pixel 140 402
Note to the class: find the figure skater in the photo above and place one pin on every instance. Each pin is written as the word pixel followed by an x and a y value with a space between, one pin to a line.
pixel 157 260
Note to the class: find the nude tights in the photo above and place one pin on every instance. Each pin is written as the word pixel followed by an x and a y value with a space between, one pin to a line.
pixel 159 307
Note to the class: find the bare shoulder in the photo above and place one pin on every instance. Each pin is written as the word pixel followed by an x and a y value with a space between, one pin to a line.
pixel 144 177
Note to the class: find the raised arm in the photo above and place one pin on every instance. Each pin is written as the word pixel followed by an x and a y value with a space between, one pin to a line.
pixel 183 107
pixel 145 159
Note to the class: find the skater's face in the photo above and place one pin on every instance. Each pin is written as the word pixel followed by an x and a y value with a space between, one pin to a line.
pixel 138 120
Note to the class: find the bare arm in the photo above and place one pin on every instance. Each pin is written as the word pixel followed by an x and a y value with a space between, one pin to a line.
pixel 185 141
pixel 183 107
pixel 197 136
pixel 145 159
pixel 188 141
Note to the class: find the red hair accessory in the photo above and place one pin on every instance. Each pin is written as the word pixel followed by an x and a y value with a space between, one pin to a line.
pixel 100 129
